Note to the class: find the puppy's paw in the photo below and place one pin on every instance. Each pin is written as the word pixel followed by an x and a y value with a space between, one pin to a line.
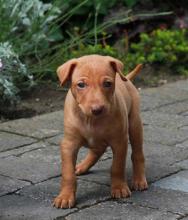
pixel 120 191
pixel 64 201
pixel 139 184
pixel 81 168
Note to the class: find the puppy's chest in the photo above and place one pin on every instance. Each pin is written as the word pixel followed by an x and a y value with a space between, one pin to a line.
pixel 95 136
pixel 101 134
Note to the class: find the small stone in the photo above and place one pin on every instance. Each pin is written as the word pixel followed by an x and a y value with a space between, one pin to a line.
pixel 162 81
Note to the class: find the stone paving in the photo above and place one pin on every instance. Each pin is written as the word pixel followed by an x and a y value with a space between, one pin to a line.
pixel 30 166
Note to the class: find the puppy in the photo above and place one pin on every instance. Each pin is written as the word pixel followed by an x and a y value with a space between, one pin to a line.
pixel 101 110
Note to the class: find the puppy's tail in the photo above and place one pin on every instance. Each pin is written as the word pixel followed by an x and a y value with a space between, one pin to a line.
pixel 134 73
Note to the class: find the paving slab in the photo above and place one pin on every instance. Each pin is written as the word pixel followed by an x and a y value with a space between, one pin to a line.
pixel 184 144
pixel 41 126
pixel 150 102
pixel 55 139
pixel 21 150
pixel 164 136
pixel 156 171
pixel 186 218
pixel 180 84
pixel 185 128
pixel 159 97
pixel 10 141
pixel 171 92
pixel 40 162
pixel 88 193
pixel 34 166
pixel 179 108
pixel 9 185
pixel 15 207
pixel 185 113
pixel 182 164
pixel 165 120
pixel 162 199
pixel 112 210
pixel 156 153
pixel 178 181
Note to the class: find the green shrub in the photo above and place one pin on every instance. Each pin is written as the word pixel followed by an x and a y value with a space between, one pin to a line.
pixel 165 47
pixel 94 49
pixel 13 75
pixel 102 6
pixel 27 26
pixel 25 38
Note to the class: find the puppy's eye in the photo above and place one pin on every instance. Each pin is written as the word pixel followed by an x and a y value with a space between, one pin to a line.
pixel 81 85
pixel 107 84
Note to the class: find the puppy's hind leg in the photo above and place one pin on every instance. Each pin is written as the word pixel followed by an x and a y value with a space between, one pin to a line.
pixel 91 158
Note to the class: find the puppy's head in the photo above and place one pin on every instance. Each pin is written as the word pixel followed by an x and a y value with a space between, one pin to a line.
pixel 92 82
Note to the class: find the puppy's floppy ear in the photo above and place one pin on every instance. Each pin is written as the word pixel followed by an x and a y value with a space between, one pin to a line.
pixel 117 66
pixel 65 71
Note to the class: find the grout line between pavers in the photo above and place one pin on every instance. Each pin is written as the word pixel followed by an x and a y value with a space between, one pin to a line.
pixel 20 154
pixel 118 202
pixel 84 180
pixel 133 203
pixel 17 133
pixel 50 178
pixel 97 202
pixel 178 161
pixel 182 112
pixel 150 207
pixel 12 193
pixel 167 175
pixel 21 179
pixel 24 180
pixel 42 181
pixel 152 142
pixel 182 141
pixel 16 190
pixel 182 126
pixel 29 136
pixel 171 103
pixel 166 144
pixel 27 181
pixel 63 217
pixel 125 202
pixel 163 105
pixel 24 145
pixel 183 216
pixel 87 206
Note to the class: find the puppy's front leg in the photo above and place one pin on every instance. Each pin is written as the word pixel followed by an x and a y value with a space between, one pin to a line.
pixel 119 186
pixel 66 197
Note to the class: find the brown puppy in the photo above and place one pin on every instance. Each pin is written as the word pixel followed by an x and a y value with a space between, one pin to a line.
pixel 101 110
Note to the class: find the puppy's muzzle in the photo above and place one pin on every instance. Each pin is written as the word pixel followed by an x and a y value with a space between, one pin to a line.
pixel 97 110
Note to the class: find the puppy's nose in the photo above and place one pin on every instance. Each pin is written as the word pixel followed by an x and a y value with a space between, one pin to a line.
pixel 97 110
